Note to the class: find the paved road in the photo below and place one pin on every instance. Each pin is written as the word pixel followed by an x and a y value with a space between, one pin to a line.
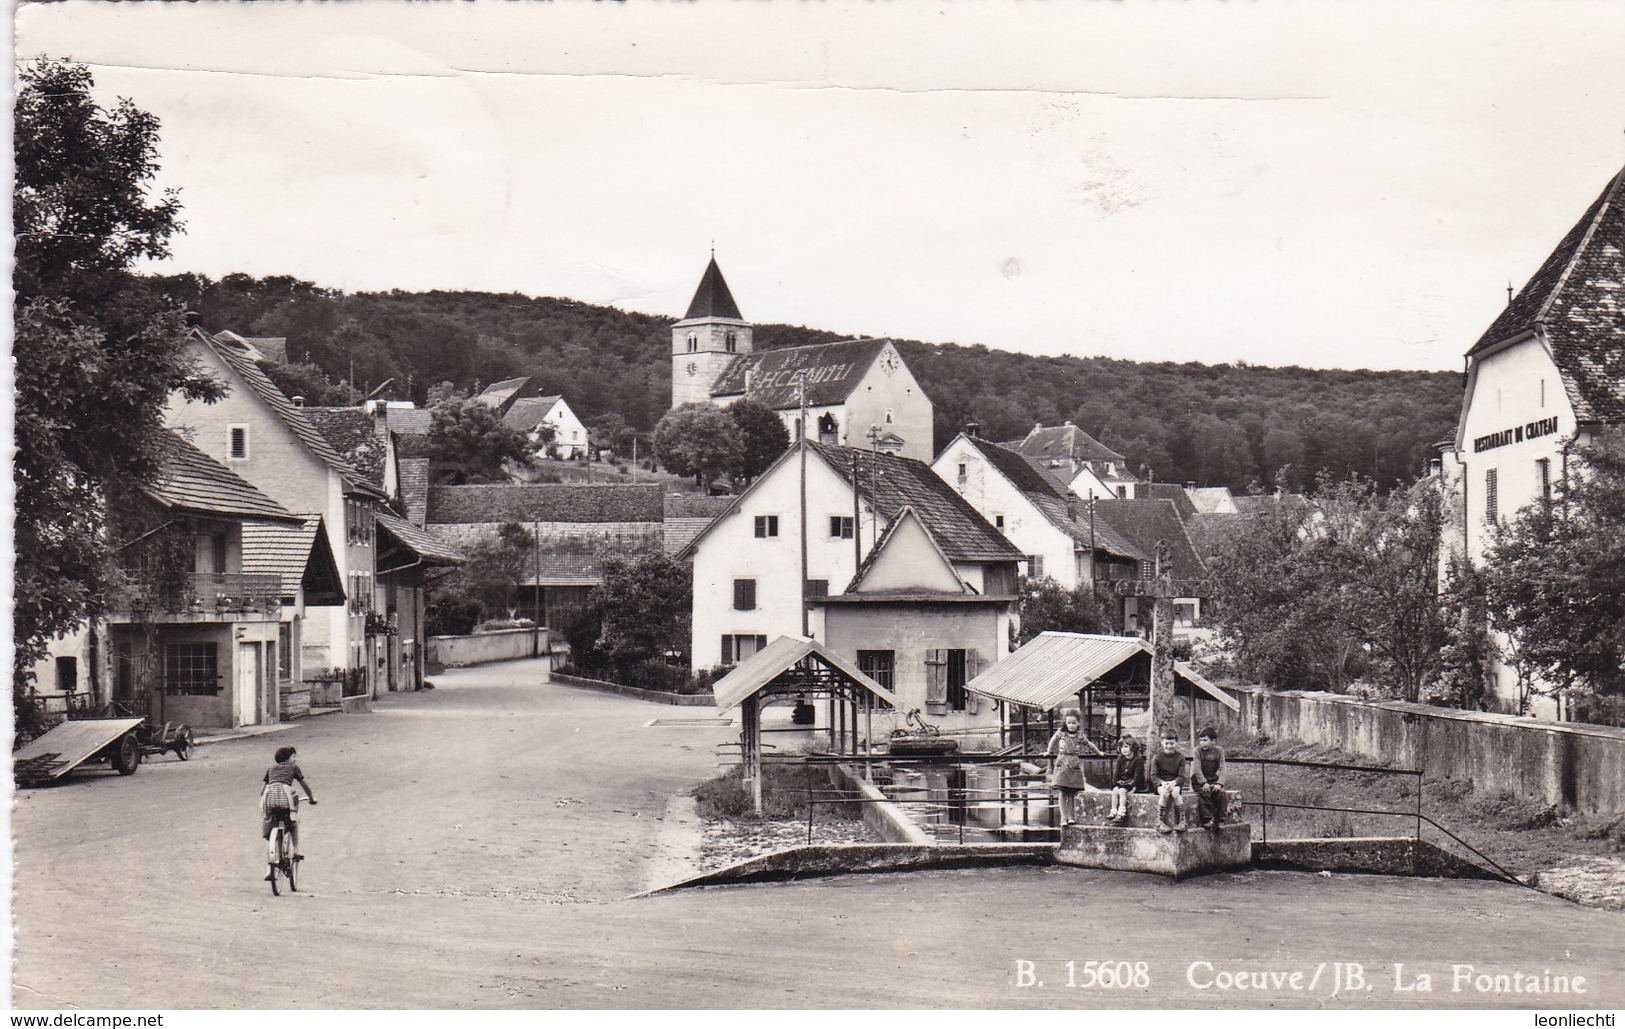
pixel 475 847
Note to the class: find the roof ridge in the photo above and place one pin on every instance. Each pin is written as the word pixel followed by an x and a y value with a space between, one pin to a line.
pixel 1600 213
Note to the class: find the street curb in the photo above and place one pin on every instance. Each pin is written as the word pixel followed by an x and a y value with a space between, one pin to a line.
pixel 258 730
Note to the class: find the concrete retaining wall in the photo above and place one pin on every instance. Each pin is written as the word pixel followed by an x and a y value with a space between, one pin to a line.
pixel 484 648
pixel 1578 768
pixel 1372 855
pixel 883 818
pixel 679 699
pixel 843 858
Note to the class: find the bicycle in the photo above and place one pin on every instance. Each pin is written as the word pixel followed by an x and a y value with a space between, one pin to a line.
pixel 280 855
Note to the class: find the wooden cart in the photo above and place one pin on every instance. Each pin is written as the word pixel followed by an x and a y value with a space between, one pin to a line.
pixel 78 742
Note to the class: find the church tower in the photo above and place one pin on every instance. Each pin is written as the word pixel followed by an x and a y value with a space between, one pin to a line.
pixel 707 340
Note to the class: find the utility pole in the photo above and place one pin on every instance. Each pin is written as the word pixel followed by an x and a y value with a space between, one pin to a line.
pixel 806 609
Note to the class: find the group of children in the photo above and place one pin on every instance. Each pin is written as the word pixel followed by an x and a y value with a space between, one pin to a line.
pixel 1163 774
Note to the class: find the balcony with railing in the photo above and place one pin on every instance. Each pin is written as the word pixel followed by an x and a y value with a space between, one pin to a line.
pixel 199 597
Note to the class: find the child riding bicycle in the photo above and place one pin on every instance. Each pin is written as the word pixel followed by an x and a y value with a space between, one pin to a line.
pixel 278 801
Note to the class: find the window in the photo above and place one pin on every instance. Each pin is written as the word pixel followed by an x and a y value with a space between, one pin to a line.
pixel 738 647
pixel 1492 496
pixel 1542 392
pixel 1122 493
pixel 693 343
pixel 1035 566
pixel 963 472
pixel 284 652
pixel 191 670
pixel 888 416
pixel 817 588
pixel 957 696
pixel 998 521
pixel 67 674
pixel 767 526
pixel 840 528
pixel 744 594
pixel 732 342
pixel 878 665
pixel 1544 467
pixel 237 442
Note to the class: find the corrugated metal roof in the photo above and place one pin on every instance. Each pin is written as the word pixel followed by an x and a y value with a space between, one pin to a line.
pixel 784 653
pixel 1054 666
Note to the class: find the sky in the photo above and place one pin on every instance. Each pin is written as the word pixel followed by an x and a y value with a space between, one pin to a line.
pixel 1326 184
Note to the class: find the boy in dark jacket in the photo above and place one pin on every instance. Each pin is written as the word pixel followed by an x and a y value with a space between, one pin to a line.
pixel 1167 772
pixel 1207 775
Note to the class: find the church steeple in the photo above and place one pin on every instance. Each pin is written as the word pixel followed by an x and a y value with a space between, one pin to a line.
pixel 712 299
pixel 708 339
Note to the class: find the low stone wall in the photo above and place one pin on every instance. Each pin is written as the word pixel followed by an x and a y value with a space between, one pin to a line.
pixel 1370 855
pixel 656 696
pixel 484 648
pixel 1577 768
pixel 839 858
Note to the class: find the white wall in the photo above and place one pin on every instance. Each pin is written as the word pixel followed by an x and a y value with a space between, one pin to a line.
pixel 731 551
pixel 992 495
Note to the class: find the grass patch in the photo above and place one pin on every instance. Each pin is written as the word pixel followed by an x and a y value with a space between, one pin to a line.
pixel 784 795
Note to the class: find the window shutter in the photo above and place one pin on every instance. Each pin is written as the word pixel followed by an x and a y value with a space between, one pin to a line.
pixel 727 649
pixel 936 680
pixel 973 668
pixel 744 594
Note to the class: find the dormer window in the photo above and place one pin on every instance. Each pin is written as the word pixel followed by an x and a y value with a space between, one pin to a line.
pixel 237 442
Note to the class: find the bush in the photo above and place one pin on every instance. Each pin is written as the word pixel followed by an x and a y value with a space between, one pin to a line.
pixel 784 794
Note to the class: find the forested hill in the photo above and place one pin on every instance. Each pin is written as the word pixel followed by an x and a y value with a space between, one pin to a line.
pixel 1209 424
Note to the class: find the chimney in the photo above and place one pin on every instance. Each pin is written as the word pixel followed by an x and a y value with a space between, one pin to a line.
pixel 298 401
pixel 973 428
pixel 193 319
pixel 1190 485
pixel 1071 507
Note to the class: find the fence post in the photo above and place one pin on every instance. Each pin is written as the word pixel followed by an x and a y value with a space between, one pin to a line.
pixel 1264 797
pixel 809 807
pixel 1419 805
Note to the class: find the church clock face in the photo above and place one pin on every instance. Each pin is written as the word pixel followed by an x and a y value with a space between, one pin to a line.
pixel 888 362
pixel 693 369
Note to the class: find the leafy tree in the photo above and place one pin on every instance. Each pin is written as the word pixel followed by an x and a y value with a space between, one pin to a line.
pixel 1467 659
pixel 1047 606
pixel 486 586
pixel 469 436
pixel 699 440
pixel 644 605
pixel 1555 581
pixel 298 379
pixel 97 352
pixel 762 434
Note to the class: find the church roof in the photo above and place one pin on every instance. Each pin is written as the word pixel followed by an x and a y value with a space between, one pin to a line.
pixel 1063 443
pixel 833 372
pixel 1578 299
pixel 712 299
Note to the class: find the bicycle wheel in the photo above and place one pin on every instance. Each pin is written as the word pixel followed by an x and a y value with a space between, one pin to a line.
pixel 288 862
pixel 275 857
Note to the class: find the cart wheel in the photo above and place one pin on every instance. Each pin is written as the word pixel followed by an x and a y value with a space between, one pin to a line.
pixel 183 748
pixel 128 756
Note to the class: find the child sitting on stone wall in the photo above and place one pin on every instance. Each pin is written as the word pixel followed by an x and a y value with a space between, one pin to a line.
pixel 1128 776
pixel 1167 774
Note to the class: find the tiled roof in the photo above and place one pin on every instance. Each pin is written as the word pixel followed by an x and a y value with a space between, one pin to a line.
pixel 712 299
pixel 352 432
pixel 1268 503
pixel 565 568
pixel 1054 501
pixel 888 483
pixel 695 505
pixel 268 348
pixel 1210 533
pixel 680 532
pixel 1144 522
pixel 833 372
pixel 1578 298
pixel 409 421
pixel 500 395
pixel 1167 491
pixel 1063 443
pixel 528 412
pixel 190 480
pixel 413 445
pixel 243 365
pixel 413 473
pixel 430 548
pixel 545 502
pixel 281 550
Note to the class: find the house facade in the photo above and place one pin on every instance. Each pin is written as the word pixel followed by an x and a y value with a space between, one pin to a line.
pixel 1542 381
pixel 749 582
pixel 855 390
pixel 1086 465
pixel 258 433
